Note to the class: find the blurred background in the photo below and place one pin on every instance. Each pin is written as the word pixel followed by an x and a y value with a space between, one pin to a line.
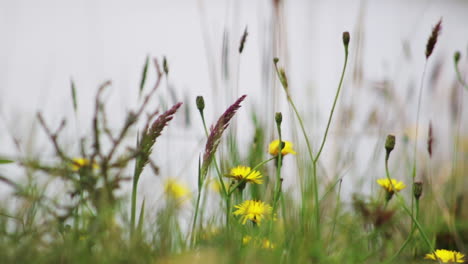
pixel 46 44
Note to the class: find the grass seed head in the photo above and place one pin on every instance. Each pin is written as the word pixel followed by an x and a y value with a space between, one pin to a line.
pixel 431 42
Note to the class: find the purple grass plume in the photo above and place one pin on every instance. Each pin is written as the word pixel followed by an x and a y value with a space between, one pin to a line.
pixel 149 136
pixel 216 133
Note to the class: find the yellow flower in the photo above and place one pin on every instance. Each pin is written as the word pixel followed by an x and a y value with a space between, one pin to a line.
pixel 246 240
pixel 246 173
pixel 267 244
pixel 79 163
pixel 273 149
pixel 391 187
pixel 175 190
pixel 446 256
pixel 217 186
pixel 255 211
pixel 264 243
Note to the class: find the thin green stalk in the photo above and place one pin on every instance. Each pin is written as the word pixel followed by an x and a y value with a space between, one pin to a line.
pixel 315 160
pixel 278 169
pixel 228 210
pixel 335 215
pixel 410 236
pixel 133 208
pixel 415 222
pixel 413 173
pixel 334 105
pixel 197 205
pixel 457 71
pixel 309 148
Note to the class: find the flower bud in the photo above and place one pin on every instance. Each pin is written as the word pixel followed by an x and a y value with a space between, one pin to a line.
pixel 278 118
pixel 456 57
pixel 165 66
pixel 389 145
pixel 200 103
pixel 417 189
pixel 275 60
pixel 346 38
pixel 283 78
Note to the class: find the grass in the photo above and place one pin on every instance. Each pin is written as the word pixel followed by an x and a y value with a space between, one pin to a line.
pixel 251 216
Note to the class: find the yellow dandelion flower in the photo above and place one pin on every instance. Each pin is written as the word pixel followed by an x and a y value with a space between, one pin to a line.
pixel 446 256
pixel 273 149
pixel 246 173
pixel 79 163
pixel 267 244
pixel 391 187
pixel 216 186
pixel 175 190
pixel 252 210
pixel 264 243
pixel 246 240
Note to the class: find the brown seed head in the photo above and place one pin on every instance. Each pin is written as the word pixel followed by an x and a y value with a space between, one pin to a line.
pixel 433 39
pixel 243 39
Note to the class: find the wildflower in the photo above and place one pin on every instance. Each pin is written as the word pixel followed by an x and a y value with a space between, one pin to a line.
pixel 287 148
pixel 79 163
pixel 246 240
pixel 252 210
pixel 391 187
pixel 264 243
pixel 446 256
pixel 246 173
pixel 267 244
pixel 216 186
pixel 175 190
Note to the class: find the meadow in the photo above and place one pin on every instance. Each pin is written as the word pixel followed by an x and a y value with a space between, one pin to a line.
pixel 239 211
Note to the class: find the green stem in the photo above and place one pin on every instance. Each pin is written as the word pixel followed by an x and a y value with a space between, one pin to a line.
pixel 334 106
pixel 415 222
pixel 413 173
pixel 278 170
pixel 336 212
pixel 133 206
pixel 228 210
pixel 194 236
pixel 459 77
pixel 309 150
